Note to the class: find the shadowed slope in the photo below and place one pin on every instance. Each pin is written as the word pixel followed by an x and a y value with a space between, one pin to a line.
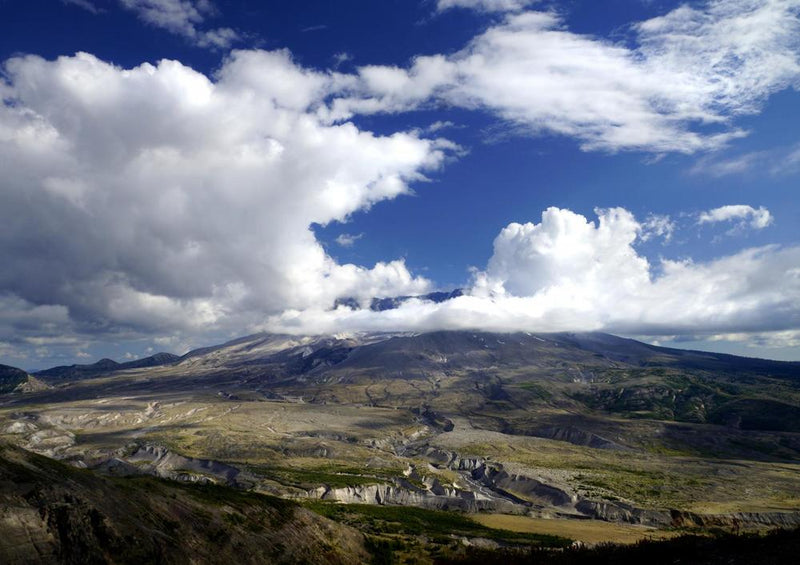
pixel 52 513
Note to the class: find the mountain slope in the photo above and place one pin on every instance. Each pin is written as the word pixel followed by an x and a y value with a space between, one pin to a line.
pixel 17 380
pixel 588 425
pixel 104 367
pixel 52 513
pixel 11 378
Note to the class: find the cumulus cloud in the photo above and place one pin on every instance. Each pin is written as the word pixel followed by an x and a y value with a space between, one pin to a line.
pixel 485 5
pixel 183 17
pixel 25 327
pixel 567 273
pixel 688 75
pixel 744 216
pixel 159 200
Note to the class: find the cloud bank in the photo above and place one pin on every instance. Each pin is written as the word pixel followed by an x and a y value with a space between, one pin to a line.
pixel 154 198
pixel 567 273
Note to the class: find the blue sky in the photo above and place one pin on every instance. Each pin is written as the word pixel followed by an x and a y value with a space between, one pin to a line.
pixel 177 172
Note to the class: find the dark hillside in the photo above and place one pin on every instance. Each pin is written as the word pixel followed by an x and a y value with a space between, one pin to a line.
pixel 53 513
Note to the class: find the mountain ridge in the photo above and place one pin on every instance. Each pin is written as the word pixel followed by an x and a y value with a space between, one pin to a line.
pixel 105 366
pixel 618 348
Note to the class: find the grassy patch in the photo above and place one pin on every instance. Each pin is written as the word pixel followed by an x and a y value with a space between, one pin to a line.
pixel 394 520
pixel 537 389
pixel 334 477
pixel 587 531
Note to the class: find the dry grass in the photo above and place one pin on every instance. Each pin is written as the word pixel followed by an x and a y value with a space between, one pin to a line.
pixel 587 531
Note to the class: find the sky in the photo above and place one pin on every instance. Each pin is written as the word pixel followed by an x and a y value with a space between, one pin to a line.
pixel 176 173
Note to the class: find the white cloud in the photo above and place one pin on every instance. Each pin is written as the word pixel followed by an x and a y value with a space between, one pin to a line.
pixel 690 74
pixel 439 126
pixel 341 58
pixel 777 162
pixel 794 157
pixel 744 215
pixel 85 4
pixel 570 274
pixel 318 27
pixel 719 168
pixel 220 38
pixel 485 5
pixel 158 200
pixel 657 225
pixel 771 340
pixel 348 239
pixel 183 17
pixel 788 163
pixel 564 250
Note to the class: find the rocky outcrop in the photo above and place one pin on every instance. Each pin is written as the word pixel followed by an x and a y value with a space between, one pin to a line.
pixel 452 460
pixel 51 442
pixel 736 520
pixel 522 488
pixel 577 436
pixel 621 512
pixel 402 493
pixel 159 461
pixel 31 384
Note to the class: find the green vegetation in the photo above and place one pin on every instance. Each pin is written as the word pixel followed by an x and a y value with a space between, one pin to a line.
pixel 776 547
pixel 333 476
pixel 409 521
pixel 537 389
pixel 748 403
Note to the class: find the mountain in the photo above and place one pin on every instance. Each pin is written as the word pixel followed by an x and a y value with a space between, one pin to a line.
pixel 11 378
pixel 54 513
pixel 565 425
pixel 153 361
pixel 17 380
pixel 105 366
pixel 408 350
pixel 504 375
